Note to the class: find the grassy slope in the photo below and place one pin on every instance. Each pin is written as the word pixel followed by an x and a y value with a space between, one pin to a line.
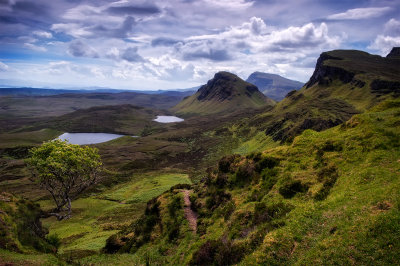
pixel 346 209
pixel 102 214
pixel 333 99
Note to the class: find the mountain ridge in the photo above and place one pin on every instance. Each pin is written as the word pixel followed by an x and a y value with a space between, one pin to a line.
pixel 272 85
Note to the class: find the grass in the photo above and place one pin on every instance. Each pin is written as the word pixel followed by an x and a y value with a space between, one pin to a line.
pixel 12 258
pixel 10 140
pixel 344 208
pixel 100 215
pixel 258 143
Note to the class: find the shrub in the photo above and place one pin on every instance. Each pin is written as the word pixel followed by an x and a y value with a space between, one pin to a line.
pixel 224 165
pixel 54 240
pixel 217 198
pixel 265 213
pixel 218 252
pixel 328 176
pixel 291 188
pixel 244 174
pixel 174 205
pixel 266 162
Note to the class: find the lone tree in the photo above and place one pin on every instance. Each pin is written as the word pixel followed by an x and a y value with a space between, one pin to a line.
pixel 65 170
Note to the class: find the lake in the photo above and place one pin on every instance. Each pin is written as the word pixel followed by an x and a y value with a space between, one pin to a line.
pixel 168 119
pixel 88 138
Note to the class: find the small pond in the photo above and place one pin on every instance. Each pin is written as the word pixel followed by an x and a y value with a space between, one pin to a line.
pixel 168 119
pixel 88 138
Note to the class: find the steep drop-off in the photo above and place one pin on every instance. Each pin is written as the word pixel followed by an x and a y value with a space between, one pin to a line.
pixel 345 82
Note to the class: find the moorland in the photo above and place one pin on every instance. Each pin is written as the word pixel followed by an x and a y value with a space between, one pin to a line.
pixel 313 178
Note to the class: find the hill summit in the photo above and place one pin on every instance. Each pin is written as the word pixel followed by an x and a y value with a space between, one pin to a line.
pixel 226 92
pixel 272 85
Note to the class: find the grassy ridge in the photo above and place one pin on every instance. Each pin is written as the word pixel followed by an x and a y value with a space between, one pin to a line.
pixel 329 197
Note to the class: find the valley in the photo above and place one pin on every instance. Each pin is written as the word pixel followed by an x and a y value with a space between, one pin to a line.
pixel 234 178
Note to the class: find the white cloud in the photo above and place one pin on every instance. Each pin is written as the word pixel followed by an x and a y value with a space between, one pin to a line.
pixel 230 4
pixel 35 47
pixel 3 67
pixel 392 27
pixel 43 34
pixel 360 13
pixel 384 44
pixel 253 38
pixel 391 38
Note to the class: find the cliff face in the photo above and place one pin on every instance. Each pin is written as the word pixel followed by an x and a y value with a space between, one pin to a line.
pixel 344 83
pixel 358 69
pixel 394 54
pixel 324 74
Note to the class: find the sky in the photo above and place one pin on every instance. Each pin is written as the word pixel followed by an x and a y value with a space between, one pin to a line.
pixel 171 44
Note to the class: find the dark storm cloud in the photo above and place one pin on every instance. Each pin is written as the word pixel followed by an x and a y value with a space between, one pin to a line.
pixel 78 48
pixel 8 20
pixel 100 31
pixel 162 41
pixel 31 7
pixel 131 55
pixel 133 10
pixel 212 54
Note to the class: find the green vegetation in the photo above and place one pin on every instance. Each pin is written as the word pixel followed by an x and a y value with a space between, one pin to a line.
pixel 94 218
pixel 65 171
pixel 312 180
pixel 328 197
pixel 21 232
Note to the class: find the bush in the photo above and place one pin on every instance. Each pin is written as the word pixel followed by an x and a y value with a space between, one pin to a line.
pixel 224 165
pixel 217 198
pixel 291 188
pixel 266 162
pixel 328 176
pixel 244 174
pixel 218 252
pixel 54 240
pixel 266 213
pixel 175 205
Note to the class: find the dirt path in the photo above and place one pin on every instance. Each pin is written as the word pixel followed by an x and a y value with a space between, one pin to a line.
pixel 190 215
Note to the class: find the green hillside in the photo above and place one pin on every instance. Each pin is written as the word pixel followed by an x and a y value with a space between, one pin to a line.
pixel 344 83
pixel 329 197
pixel 223 94
pixel 313 179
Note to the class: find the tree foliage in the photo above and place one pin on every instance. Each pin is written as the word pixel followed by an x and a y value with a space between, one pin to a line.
pixel 65 171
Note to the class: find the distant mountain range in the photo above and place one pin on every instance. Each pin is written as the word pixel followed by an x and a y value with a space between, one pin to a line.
pixel 274 86
pixel 28 91
pixel 224 93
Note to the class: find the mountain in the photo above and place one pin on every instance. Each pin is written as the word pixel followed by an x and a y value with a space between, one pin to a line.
pixel 28 91
pixel 344 83
pixel 330 196
pixel 394 54
pixel 272 85
pixel 224 93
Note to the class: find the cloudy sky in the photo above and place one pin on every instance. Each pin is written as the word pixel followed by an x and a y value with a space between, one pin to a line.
pixel 165 44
